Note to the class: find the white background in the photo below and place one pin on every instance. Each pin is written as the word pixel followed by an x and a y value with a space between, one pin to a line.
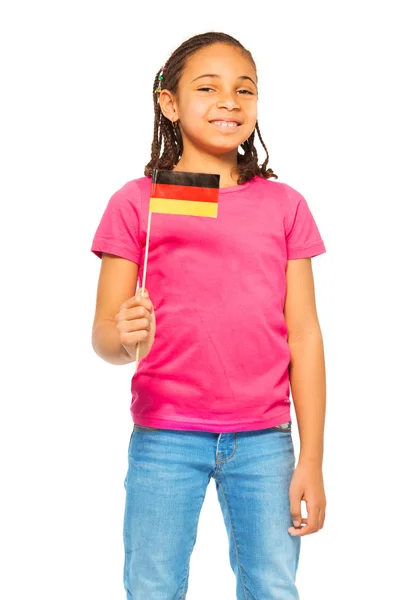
pixel 76 124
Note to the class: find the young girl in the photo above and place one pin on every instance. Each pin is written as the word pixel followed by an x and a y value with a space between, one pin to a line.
pixel 234 302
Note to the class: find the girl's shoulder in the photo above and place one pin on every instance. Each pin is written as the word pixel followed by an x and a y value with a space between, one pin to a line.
pixel 137 184
pixel 279 193
pixel 131 192
pixel 276 187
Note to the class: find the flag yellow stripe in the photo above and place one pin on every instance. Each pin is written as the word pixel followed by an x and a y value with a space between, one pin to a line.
pixel 183 207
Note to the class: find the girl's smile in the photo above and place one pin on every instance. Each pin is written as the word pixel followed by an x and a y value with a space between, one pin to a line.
pixel 226 126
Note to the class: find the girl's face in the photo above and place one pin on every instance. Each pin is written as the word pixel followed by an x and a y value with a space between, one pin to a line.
pixel 218 84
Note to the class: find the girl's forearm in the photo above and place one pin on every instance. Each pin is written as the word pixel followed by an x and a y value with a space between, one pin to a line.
pixel 308 386
pixel 106 343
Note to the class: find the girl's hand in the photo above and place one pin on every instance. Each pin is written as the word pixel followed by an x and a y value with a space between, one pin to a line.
pixel 136 322
pixel 307 484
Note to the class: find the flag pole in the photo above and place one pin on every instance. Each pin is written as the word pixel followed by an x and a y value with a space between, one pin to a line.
pixel 144 277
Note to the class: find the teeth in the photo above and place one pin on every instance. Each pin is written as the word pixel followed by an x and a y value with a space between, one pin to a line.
pixel 225 124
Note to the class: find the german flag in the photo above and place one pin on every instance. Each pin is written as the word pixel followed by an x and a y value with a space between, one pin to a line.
pixel 184 193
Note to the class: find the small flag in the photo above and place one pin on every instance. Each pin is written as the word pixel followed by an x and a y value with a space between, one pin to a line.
pixel 184 193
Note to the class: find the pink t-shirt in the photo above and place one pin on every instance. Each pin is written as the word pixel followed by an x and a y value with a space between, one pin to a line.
pixel 220 358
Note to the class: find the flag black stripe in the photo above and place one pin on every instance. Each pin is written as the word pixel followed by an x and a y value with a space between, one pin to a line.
pixel 207 180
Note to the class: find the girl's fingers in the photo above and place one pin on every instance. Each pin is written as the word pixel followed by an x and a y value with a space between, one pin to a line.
pixel 307 529
pixel 129 315
pixel 137 301
pixel 138 325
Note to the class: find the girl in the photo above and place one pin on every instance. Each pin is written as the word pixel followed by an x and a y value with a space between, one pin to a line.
pixel 236 323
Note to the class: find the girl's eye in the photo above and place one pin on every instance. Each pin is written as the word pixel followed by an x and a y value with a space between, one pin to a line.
pixel 206 88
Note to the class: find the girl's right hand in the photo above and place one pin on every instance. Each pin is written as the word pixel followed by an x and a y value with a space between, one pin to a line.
pixel 136 323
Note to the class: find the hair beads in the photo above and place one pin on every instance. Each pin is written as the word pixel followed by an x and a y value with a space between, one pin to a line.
pixel 160 78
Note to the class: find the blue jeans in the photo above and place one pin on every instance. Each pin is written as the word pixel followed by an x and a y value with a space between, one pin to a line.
pixel 167 478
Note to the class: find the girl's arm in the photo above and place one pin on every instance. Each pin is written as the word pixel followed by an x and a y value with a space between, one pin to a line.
pixel 307 366
pixel 117 282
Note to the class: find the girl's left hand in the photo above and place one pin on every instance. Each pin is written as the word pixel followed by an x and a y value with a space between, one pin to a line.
pixel 307 484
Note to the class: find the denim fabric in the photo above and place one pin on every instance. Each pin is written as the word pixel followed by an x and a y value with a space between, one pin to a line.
pixel 167 478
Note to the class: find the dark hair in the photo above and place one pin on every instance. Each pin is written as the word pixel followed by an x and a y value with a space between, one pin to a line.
pixel 247 163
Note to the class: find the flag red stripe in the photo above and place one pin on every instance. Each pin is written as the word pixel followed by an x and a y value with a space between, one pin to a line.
pixel 184 192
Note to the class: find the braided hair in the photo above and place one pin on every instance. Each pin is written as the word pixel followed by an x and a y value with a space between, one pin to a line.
pixel 165 132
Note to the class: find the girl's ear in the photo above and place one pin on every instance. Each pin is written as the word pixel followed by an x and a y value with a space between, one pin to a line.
pixel 168 105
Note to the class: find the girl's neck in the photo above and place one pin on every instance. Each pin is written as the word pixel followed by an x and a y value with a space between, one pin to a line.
pixel 206 166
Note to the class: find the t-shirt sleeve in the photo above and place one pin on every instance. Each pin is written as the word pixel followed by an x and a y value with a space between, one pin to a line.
pixel 119 229
pixel 303 238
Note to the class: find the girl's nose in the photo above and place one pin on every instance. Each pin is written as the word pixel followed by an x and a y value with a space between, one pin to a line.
pixel 228 102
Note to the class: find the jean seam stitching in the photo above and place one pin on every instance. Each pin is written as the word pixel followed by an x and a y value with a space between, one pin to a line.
pixel 221 460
